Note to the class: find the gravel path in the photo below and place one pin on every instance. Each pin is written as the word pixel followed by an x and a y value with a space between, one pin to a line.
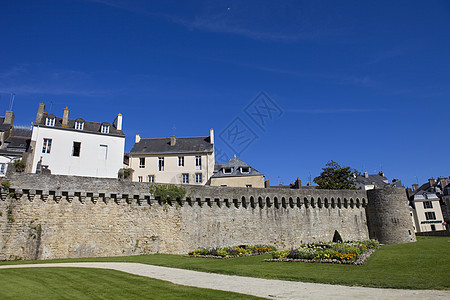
pixel 267 288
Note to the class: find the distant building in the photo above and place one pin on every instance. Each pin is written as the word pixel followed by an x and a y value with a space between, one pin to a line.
pixel 76 147
pixel 425 207
pixel 375 181
pixel 237 173
pixel 14 141
pixel 176 160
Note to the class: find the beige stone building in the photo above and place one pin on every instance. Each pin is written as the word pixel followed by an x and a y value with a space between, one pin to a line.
pixel 237 173
pixel 426 212
pixel 175 160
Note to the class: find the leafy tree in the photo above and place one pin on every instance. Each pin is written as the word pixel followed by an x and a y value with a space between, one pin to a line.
pixel 166 192
pixel 335 177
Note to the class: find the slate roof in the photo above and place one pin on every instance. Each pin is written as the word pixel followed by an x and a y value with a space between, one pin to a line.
pixel 182 145
pixel 234 163
pixel 89 126
pixel 375 179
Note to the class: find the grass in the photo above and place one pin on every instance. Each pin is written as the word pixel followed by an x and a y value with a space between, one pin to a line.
pixel 420 265
pixel 82 283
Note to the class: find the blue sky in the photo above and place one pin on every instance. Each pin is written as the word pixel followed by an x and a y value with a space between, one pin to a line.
pixel 364 83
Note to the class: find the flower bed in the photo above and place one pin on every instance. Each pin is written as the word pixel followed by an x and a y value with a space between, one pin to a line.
pixel 230 252
pixel 355 253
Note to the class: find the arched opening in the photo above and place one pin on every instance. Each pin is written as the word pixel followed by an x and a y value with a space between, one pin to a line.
pixel 283 202
pixel 319 203
pixel 306 202
pixel 345 202
pixel 312 203
pixel 352 203
pixel 326 203
pixel 339 203
pixel 358 203
pixel 244 202
pixel 291 202
pixel 236 203
pixel 260 202
pixel 333 203
pixel 275 202
pixel 268 203
pixel 252 202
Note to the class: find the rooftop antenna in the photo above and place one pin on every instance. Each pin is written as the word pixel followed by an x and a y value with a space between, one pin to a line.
pixel 50 110
pixel 11 101
pixel 309 178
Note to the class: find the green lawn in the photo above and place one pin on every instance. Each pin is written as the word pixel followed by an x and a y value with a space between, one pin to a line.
pixel 420 265
pixel 82 283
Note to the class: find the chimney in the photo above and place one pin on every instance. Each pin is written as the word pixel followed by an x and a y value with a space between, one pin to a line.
pixel 431 181
pixel 381 173
pixel 415 186
pixel 298 183
pixel 366 175
pixel 173 140
pixel 444 181
pixel 211 136
pixel 118 122
pixel 267 184
pixel 9 117
pixel 138 138
pixel 40 113
pixel 65 120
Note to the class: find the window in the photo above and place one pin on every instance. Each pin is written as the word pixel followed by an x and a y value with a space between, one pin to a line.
pixel 2 168
pixel 76 149
pixel 161 163
pixel 47 146
pixel 198 162
pixel 50 122
pixel 224 185
pixel 227 170
pixel 105 129
pixel 433 227
pixel 151 178
pixel 139 178
pixel 181 161
pixel 430 215
pixel 103 152
pixel 141 162
pixel 198 178
pixel 79 125
pixel 248 186
pixel 185 178
pixel 245 170
pixel 427 204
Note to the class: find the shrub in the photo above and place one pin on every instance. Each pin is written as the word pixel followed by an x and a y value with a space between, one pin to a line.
pixel 6 184
pixel 166 192
pixel 234 251
pixel 19 165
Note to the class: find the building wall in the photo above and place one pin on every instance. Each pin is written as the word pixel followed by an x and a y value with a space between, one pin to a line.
pixel 241 181
pixel 91 162
pixel 172 172
pixel 424 225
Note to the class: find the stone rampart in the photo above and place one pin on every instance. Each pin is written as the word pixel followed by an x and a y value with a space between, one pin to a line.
pixel 52 216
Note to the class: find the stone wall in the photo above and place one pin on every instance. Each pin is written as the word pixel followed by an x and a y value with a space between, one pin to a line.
pixel 388 216
pixel 51 216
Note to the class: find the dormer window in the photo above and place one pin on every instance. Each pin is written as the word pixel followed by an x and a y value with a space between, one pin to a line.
pixel 245 170
pixel 227 170
pixel 79 125
pixel 50 122
pixel 105 129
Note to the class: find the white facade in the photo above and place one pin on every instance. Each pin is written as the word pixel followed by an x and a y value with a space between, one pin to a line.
pixel 427 214
pixel 173 172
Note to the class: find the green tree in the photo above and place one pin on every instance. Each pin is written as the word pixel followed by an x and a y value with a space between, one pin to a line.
pixel 166 192
pixel 335 177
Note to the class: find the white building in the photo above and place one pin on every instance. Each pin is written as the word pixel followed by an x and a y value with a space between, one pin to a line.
pixel 75 146
pixel 176 160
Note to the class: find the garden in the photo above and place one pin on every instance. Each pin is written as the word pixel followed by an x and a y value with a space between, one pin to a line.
pixel 230 252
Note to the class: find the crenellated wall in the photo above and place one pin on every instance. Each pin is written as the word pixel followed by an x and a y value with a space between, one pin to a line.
pixel 51 216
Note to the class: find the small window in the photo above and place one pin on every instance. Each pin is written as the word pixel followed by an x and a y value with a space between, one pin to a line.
pixel 161 163
pixel 181 161
pixel 245 170
pixel 427 204
pixel 76 149
pixel 2 168
pixel 103 152
pixel 198 178
pixel 433 227
pixel 430 215
pixel 248 186
pixel 50 122
pixel 79 125
pixel 46 147
pixel 227 170
pixel 224 185
pixel 198 162
pixel 139 178
pixel 141 162
pixel 185 178
pixel 105 129
pixel 151 178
